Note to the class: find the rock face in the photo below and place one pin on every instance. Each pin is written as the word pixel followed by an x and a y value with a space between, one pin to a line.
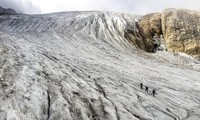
pixel 181 30
pixel 149 26
pixel 8 11
pixel 134 37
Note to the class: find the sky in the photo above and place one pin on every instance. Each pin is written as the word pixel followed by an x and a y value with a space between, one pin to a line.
pixel 125 6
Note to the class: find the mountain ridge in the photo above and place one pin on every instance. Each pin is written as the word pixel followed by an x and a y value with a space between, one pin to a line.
pixel 7 11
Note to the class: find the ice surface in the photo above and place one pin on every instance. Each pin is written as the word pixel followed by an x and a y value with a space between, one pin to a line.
pixel 79 66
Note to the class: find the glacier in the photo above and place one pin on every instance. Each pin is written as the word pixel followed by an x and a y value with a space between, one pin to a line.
pixel 79 66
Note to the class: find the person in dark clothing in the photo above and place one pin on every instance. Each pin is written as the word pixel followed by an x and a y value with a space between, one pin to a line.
pixel 141 85
pixel 146 89
pixel 154 92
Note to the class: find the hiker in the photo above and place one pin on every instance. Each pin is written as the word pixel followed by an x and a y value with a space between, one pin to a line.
pixel 146 89
pixel 141 85
pixel 154 92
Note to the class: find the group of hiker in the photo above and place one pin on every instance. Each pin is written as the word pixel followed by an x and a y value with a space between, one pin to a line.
pixel 147 89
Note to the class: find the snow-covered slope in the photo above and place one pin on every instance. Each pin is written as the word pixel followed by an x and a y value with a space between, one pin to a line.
pixel 79 66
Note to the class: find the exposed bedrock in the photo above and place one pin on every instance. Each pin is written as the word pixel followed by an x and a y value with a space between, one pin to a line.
pixel 179 27
pixel 149 26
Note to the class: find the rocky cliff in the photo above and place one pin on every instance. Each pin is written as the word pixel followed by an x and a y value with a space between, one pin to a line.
pixel 180 28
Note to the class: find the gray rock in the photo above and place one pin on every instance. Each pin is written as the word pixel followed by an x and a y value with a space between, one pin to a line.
pixel 7 11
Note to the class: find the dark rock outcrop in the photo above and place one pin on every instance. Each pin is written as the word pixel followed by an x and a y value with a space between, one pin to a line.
pixel 149 26
pixel 7 11
pixel 135 38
